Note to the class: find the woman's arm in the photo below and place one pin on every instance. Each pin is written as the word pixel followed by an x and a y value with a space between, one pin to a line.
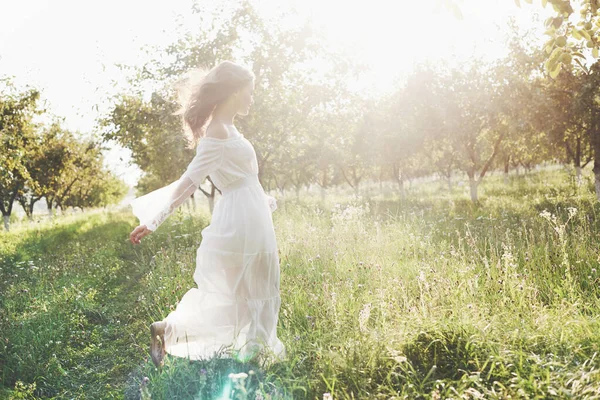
pixel 179 193
pixel 152 209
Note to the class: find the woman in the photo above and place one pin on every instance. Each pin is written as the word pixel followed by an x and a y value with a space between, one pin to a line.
pixel 237 299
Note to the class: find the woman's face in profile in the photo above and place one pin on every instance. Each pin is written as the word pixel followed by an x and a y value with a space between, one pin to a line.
pixel 245 98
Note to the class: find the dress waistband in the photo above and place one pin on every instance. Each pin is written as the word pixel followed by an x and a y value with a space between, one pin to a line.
pixel 246 181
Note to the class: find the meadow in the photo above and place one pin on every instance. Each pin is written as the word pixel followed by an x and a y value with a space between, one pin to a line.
pixel 423 297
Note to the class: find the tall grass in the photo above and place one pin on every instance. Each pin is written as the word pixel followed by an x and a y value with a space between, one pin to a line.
pixel 426 297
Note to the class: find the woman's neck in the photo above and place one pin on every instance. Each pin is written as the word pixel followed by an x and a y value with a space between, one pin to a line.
pixel 224 116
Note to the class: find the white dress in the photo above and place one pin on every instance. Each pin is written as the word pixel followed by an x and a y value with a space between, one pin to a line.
pixel 236 304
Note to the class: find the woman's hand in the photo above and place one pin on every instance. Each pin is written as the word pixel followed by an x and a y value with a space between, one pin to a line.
pixel 138 233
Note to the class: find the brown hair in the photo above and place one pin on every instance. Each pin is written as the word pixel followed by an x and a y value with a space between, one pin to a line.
pixel 200 92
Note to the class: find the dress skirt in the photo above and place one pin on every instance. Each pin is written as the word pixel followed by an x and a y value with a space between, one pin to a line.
pixel 235 308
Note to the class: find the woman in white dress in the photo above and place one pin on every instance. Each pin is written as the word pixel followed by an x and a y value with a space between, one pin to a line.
pixel 236 303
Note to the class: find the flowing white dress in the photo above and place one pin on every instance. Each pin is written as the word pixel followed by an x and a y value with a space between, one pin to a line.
pixel 237 301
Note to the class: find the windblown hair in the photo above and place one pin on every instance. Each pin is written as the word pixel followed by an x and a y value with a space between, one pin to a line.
pixel 200 92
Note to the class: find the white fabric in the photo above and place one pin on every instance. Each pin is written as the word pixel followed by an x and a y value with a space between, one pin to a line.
pixel 237 301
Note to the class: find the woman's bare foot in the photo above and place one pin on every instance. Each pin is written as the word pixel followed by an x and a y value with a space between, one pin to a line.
pixel 157 345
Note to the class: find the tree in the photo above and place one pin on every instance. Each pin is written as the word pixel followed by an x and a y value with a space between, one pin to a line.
pixel 572 38
pixel 45 165
pixel 474 127
pixel 398 132
pixel 284 96
pixel 565 119
pixel 17 139
pixel 99 188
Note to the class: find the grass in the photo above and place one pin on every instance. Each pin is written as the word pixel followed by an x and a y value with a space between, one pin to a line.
pixel 429 297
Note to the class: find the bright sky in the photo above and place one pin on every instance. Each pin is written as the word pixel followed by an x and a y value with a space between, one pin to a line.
pixel 69 48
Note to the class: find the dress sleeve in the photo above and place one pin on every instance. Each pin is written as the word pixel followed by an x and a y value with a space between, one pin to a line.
pixel 153 208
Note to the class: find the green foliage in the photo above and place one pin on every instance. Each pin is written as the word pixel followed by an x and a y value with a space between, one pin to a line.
pixel 48 161
pixel 573 34
pixel 288 100
pixel 17 140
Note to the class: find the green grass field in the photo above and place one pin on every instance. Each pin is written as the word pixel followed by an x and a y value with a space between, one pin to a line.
pixel 428 297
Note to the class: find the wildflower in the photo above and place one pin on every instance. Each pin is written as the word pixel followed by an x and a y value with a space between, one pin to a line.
pixel 241 375
pixel 364 316
pixel 545 214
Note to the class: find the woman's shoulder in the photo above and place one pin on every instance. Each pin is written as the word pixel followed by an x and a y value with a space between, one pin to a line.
pixel 216 130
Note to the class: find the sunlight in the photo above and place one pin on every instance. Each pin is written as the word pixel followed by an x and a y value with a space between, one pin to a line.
pixel 392 37
pixel 78 71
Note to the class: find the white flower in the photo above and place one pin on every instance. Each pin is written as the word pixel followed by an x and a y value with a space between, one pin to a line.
pixel 241 375
pixel 364 317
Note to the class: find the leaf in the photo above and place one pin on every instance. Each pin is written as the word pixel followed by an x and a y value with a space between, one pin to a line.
pixel 550 65
pixel 581 65
pixel 557 22
pixel 518 3
pixel 456 11
pixel 578 54
pixel 585 34
pixel 528 1
pixel 595 52
pixel 575 34
pixel 555 54
pixel 544 3
pixel 554 73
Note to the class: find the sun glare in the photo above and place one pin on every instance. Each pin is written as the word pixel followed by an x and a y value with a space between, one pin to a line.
pixel 392 36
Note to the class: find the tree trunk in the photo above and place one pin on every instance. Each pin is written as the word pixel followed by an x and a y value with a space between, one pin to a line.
pixel 578 162
pixel 193 197
pixel 473 185
pixel 211 198
pixel 401 188
pixel 323 194
pixel 506 165
pixel 596 169
pixel 597 183
pixel 6 222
